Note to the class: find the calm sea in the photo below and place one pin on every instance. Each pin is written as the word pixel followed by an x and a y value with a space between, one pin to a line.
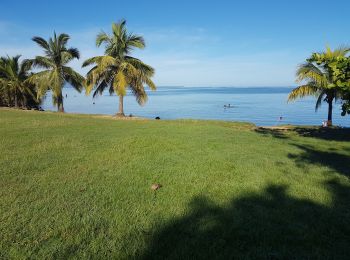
pixel 260 105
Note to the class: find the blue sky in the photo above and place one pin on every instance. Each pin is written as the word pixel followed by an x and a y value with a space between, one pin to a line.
pixel 190 43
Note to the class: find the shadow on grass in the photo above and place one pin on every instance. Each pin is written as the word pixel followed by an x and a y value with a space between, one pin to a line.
pixel 267 225
pixel 309 155
pixel 332 134
pixel 335 134
pixel 274 132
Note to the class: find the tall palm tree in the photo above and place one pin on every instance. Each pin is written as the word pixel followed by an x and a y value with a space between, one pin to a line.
pixel 318 80
pixel 55 71
pixel 117 70
pixel 14 87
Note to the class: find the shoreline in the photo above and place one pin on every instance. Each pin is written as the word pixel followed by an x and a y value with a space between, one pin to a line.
pixel 78 114
pixel 285 127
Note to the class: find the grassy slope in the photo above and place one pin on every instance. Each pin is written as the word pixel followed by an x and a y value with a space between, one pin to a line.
pixel 73 185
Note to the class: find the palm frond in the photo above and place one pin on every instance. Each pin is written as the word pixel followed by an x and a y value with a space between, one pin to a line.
pixel 120 83
pixel 41 81
pixel 74 78
pixel 136 41
pixel 119 28
pixel 74 52
pixel 62 39
pixel 102 37
pixel 91 61
pixel 41 62
pixel 150 84
pixel 41 42
pixel 341 51
pixel 319 100
pixel 309 72
pixel 302 91
pixel 26 66
pixel 141 66
pixel 100 88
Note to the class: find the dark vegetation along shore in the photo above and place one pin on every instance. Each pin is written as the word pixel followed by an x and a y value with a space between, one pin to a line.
pixel 80 186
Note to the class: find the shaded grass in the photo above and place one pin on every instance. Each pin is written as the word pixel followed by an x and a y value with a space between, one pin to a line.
pixel 79 186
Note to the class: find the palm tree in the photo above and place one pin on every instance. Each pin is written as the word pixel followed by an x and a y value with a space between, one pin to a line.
pixel 14 87
pixel 318 80
pixel 55 71
pixel 117 70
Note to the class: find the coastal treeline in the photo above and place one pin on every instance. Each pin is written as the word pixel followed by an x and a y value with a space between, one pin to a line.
pixel 24 84
pixel 15 88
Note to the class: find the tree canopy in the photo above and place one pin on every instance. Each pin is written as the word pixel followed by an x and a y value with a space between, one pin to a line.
pixel 325 75
pixel 15 89
pixel 55 72
pixel 117 70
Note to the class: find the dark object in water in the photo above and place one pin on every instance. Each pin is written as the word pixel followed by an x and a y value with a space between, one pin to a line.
pixel 93 103
pixel 228 106
pixel 157 118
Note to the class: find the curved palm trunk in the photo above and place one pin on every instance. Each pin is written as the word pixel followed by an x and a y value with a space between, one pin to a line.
pixel 121 106
pixel 60 107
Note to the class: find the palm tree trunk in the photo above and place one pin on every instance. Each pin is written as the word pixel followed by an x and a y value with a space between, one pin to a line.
pixel 16 100
pixel 60 107
pixel 25 102
pixel 330 111
pixel 121 106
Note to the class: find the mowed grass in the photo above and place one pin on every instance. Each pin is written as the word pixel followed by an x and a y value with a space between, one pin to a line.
pixel 79 186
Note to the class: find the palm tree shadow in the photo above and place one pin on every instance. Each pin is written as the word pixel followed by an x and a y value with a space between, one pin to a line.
pixel 337 161
pixel 335 134
pixel 325 133
pixel 267 225
pixel 274 132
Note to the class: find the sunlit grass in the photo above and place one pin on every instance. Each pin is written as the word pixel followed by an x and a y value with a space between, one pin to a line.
pixel 74 185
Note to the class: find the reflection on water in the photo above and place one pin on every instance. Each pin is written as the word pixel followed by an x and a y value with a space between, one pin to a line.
pixel 262 106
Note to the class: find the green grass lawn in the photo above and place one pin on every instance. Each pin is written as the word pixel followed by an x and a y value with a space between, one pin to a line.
pixel 79 186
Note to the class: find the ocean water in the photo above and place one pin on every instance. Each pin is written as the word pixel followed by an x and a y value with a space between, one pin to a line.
pixel 262 106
